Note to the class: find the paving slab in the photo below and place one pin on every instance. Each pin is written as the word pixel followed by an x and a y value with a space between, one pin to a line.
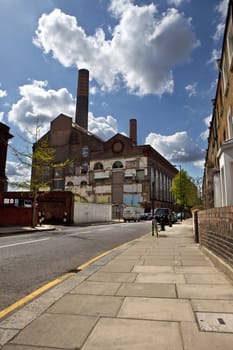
pixel 193 339
pixel 156 309
pixel 214 278
pixel 212 305
pixel 56 331
pixel 160 278
pixel 113 277
pixel 118 267
pixel 151 290
pixel 96 288
pixel 152 269
pixel 205 291
pixel 25 347
pixel 195 269
pixel 119 334
pixel 92 305
pixel 161 262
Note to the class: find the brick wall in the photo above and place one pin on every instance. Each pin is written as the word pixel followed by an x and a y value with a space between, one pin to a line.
pixel 215 228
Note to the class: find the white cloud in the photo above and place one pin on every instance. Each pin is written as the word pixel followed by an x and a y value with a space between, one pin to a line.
pixel 1 116
pixel 104 127
pixel 205 134
pixel 17 173
pixel 216 54
pixel 39 106
pixel 3 93
pixel 176 2
pixel 144 65
pixel 178 147
pixel 191 89
pixel 221 8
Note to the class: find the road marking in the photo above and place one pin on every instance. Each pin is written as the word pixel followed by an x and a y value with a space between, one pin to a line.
pixel 53 283
pixel 23 243
pixel 33 295
pixel 83 266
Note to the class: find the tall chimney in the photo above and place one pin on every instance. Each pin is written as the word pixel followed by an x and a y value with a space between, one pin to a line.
pixel 81 114
pixel 133 131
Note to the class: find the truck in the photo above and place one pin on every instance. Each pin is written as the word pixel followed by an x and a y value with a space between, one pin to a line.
pixel 132 214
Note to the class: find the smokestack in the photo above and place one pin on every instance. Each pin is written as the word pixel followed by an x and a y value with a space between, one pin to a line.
pixel 81 114
pixel 133 131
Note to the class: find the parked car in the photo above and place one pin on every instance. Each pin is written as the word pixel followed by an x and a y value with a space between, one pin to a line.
pixel 162 212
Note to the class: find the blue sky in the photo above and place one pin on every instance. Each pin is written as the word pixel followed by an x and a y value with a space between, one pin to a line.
pixel 149 60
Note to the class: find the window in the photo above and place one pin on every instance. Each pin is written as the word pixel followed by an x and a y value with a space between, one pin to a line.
pixel 98 166
pixel 58 172
pixel 83 184
pixel 84 168
pixel 117 164
pixel 70 169
pixel 230 124
pixel 58 184
pixel 224 75
pixel 140 174
pixel 85 151
pixel 70 184
pixel 230 43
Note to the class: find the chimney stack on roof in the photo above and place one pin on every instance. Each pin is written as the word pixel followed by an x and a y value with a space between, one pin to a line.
pixel 133 131
pixel 81 114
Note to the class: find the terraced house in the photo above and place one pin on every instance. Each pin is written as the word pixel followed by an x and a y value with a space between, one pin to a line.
pixel 218 172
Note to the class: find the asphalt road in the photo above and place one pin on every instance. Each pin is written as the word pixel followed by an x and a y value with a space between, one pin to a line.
pixel 28 261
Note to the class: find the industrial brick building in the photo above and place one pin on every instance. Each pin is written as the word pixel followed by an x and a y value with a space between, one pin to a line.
pixel 116 171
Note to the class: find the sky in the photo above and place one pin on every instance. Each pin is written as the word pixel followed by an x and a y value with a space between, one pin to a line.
pixel 149 60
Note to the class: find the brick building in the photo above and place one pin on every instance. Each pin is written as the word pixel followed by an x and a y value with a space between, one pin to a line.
pixel 116 171
pixel 218 171
pixel 4 137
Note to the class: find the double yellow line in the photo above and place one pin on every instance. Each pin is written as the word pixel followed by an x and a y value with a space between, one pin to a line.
pixel 53 283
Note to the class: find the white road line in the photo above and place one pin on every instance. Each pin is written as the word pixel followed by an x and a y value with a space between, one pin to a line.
pixel 23 243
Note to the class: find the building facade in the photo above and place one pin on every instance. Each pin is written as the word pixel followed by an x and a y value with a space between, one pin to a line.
pixel 4 138
pixel 218 171
pixel 116 171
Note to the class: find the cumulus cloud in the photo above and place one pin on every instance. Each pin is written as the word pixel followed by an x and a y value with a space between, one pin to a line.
pixel 221 8
pixel 3 93
pixel 104 127
pixel 143 65
pixel 205 134
pixel 38 106
pixel 17 173
pixel 191 89
pixel 178 147
pixel 177 2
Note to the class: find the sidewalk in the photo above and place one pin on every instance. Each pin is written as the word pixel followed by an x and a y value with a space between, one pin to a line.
pixel 153 293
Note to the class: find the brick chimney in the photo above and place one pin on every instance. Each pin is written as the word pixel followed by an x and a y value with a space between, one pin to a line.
pixel 133 131
pixel 81 114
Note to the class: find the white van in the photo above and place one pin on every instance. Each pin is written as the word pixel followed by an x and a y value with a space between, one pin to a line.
pixel 132 214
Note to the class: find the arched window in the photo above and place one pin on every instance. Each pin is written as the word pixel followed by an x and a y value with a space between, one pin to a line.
pixel 117 165
pixel 83 184
pixel 98 166
pixel 70 183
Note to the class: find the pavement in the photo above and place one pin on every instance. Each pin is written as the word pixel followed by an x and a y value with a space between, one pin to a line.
pixel 158 293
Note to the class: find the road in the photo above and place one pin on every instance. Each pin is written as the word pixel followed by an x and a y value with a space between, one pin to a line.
pixel 28 261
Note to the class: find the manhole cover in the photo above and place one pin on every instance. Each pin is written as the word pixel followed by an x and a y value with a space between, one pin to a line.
pixel 215 322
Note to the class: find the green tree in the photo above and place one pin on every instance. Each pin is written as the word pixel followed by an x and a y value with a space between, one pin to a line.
pixel 40 160
pixel 184 190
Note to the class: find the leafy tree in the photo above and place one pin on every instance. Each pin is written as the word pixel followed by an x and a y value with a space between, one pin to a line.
pixel 40 160
pixel 184 189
